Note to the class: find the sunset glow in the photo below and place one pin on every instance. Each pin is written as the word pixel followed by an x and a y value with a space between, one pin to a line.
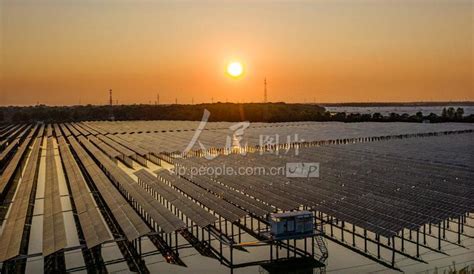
pixel 70 52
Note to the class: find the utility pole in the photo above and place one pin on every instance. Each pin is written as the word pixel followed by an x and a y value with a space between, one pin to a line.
pixel 157 98
pixel 265 90
pixel 111 102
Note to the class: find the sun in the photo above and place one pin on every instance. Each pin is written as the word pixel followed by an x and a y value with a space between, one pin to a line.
pixel 235 69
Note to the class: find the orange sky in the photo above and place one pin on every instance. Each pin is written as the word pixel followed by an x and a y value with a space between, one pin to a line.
pixel 70 52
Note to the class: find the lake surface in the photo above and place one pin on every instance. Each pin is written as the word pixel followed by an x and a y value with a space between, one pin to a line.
pixel 426 110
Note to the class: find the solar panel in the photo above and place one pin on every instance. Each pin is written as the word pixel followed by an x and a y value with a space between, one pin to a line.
pixel 237 198
pixel 123 150
pixel 13 135
pixel 11 238
pixel 129 221
pixel 54 232
pixel 13 165
pixel 161 215
pixel 221 207
pixel 65 130
pixel 88 128
pixel 73 130
pixel 129 145
pixel 196 213
pixel 81 130
pixel 112 153
pixel 93 227
pixel 57 131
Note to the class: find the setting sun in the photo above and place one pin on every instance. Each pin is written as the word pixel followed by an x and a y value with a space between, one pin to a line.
pixel 235 69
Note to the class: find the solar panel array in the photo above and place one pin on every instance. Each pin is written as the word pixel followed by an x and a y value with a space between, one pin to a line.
pixel 12 135
pixel 174 136
pixel 255 207
pixel 93 227
pixel 383 189
pixel 192 210
pixel 129 221
pixel 14 164
pixel 129 145
pixel 221 207
pixel 65 130
pixel 109 151
pixel 166 220
pixel 123 150
pixel 13 231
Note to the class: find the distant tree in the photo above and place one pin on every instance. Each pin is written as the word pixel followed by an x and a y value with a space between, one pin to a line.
pixel 394 116
pixel 20 117
pixel 366 117
pixel 444 113
pixel 459 113
pixel 377 116
pixel 419 115
pixel 432 117
pixel 230 112
pixel 451 113
pixel 340 116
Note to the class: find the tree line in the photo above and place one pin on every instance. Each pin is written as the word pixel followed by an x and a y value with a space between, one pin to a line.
pixel 231 112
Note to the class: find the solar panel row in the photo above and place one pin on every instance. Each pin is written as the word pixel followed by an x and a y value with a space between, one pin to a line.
pixel 129 145
pixel 166 220
pixel 12 136
pixel 57 131
pixel 88 128
pixel 54 232
pixel 7 151
pixel 49 130
pixel 189 208
pixel 123 150
pixel 255 207
pixel 4 131
pixel 14 164
pixel 221 207
pixel 112 153
pixel 73 130
pixel 261 192
pixel 97 129
pixel 13 231
pixel 143 143
pixel 65 130
pixel 140 155
pixel 129 221
pixel 80 129
pixel 93 227
pixel 13 144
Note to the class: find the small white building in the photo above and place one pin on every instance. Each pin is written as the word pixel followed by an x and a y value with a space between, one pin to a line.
pixel 291 224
